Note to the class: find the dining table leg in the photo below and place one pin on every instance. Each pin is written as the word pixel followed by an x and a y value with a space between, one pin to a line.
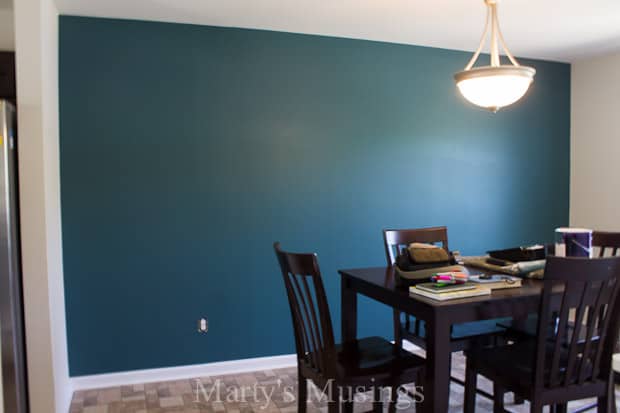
pixel 348 313
pixel 438 358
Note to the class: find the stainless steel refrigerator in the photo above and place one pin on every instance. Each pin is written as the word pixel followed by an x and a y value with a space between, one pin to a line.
pixel 12 344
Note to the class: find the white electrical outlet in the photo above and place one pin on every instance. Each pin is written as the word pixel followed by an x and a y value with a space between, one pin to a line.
pixel 203 325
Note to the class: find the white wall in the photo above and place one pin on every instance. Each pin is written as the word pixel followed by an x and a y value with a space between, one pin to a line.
pixel 7 35
pixel 36 29
pixel 595 143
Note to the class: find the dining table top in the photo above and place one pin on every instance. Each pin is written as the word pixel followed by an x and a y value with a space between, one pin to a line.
pixel 385 279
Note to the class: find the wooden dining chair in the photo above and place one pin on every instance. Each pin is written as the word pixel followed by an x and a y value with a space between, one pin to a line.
pixel 605 244
pixel 560 364
pixel 463 336
pixel 369 364
pixel 412 329
pixel 394 240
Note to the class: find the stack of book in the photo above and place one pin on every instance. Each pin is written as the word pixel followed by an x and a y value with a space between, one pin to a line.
pixel 443 292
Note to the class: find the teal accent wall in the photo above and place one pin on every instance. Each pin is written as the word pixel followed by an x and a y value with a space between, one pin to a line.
pixel 187 150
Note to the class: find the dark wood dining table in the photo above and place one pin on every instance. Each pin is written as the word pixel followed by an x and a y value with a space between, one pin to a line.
pixel 380 284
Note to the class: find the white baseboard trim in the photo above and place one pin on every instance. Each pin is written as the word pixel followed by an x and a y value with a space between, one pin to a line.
pixel 182 372
pixel 125 378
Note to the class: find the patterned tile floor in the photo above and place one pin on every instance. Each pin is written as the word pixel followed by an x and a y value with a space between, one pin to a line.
pixel 263 391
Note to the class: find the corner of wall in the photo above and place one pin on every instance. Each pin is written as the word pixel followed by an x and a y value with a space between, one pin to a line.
pixel 36 38
pixel 595 141
pixel 7 30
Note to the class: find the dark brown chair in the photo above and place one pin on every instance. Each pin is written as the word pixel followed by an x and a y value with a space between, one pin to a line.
pixel 560 364
pixel 368 364
pixel 606 244
pixel 463 335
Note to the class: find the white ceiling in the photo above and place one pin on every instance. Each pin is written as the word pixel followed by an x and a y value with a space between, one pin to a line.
pixel 562 30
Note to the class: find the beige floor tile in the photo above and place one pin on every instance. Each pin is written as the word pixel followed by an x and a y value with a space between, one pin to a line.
pixel 173 401
pixel 96 409
pixel 110 395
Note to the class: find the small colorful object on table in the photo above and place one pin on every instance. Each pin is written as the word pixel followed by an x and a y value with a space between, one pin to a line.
pixel 448 278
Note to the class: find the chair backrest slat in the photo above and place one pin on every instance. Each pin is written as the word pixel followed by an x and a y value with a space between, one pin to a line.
pixel 579 318
pixel 316 327
pixel 301 331
pixel 587 288
pixel 593 321
pixel 395 239
pixel 561 334
pixel 314 337
pixel 309 327
pixel 604 310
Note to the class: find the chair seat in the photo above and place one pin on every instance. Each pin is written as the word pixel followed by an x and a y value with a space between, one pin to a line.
pixel 477 328
pixel 378 358
pixel 520 329
pixel 492 362
pixel 466 331
pixel 526 330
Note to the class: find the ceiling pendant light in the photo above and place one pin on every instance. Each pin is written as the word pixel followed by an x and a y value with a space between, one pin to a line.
pixel 496 86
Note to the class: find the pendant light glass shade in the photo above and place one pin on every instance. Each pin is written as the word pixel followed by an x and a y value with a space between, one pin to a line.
pixel 495 86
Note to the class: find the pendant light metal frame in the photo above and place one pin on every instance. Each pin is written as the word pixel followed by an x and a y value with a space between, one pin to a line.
pixel 495 68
